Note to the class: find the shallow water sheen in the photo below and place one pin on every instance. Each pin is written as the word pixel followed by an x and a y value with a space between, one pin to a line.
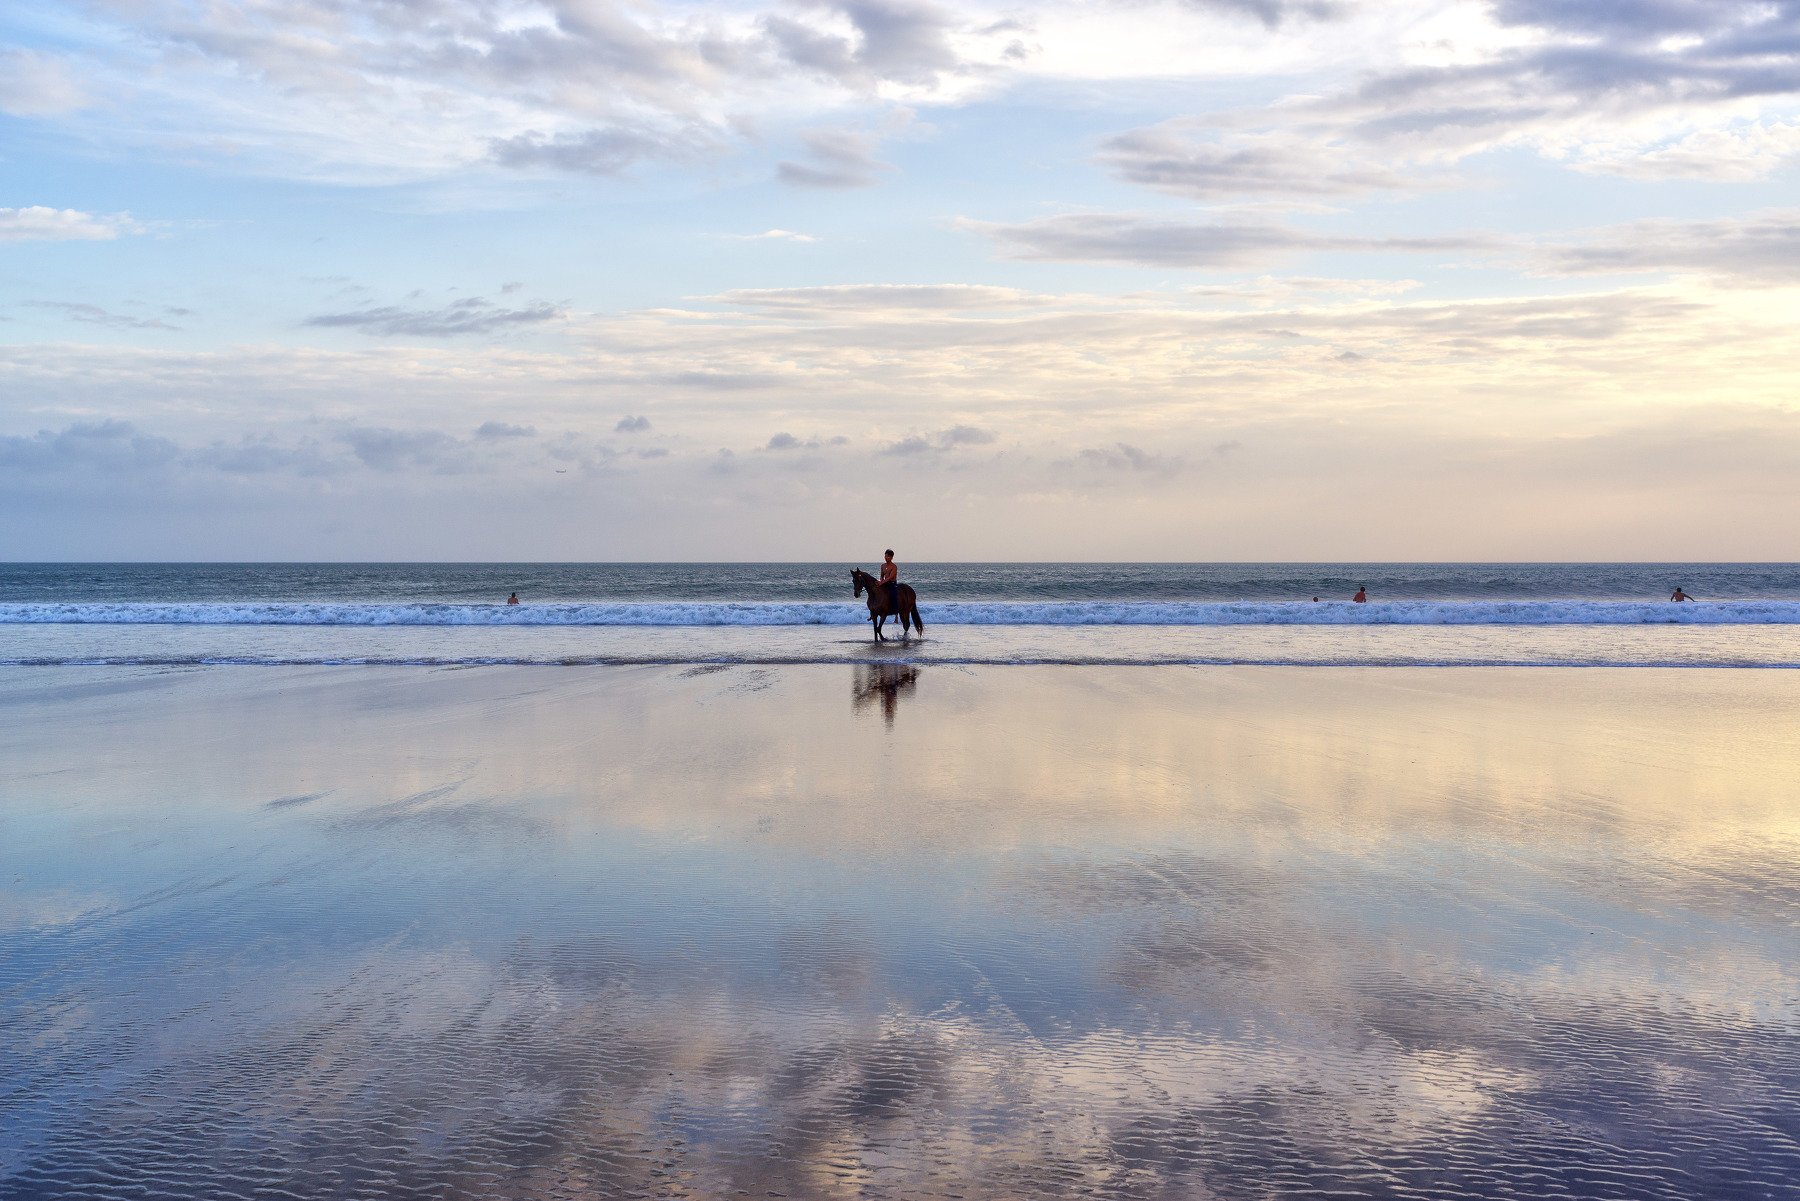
pixel 899 931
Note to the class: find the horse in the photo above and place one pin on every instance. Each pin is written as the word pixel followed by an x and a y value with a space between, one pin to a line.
pixel 880 610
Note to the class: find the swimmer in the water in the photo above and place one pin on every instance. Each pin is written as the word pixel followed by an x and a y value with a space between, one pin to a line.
pixel 1679 595
pixel 1362 595
pixel 513 599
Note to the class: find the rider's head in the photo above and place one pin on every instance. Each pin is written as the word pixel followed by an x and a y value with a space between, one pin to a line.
pixel 887 554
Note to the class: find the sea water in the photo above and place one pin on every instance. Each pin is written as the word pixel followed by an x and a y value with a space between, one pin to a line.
pixel 1588 614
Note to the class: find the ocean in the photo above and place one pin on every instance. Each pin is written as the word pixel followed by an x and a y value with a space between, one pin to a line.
pixel 1419 614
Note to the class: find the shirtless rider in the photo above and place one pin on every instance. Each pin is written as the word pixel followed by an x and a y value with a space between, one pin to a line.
pixel 890 576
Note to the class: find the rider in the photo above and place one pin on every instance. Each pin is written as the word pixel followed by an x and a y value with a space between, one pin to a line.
pixel 890 575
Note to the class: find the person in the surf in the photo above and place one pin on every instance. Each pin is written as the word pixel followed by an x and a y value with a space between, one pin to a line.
pixel 1679 595
pixel 890 576
pixel 513 599
pixel 1362 595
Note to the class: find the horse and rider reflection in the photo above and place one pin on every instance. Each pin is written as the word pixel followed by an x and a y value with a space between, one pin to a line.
pixel 882 684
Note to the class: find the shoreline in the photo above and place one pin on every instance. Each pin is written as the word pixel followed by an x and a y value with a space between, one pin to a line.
pixel 1313 646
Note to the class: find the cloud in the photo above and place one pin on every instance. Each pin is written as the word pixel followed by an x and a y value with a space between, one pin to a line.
pixel 1636 22
pixel 1762 249
pixel 39 223
pixel 90 314
pixel 1594 85
pixel 881 41
pixel 598 151
pixel 34 84
pixel 943 440
pixel 394 449
pixel 122 447
pixel 490 430
pixel 632 425
pixel 471 315
pixel 786 441
pixel 1139 240
pixel 965 435
pixel 1734 155
pixel 584 450
pixel 1190 158
pixel 375 93
pixel 1463 398
pixel 1122 456
pixel 108 445
pixel 594 88
pixel 1271 289
pixel 834 299
pixel 840 158
pixel 1652 89
pixel 1274 13
pixel 773 235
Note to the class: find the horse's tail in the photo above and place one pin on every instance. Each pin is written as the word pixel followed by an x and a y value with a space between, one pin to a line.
pixel 918 622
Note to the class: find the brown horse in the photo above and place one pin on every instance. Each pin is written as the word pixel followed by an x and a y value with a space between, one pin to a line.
pixel 880 610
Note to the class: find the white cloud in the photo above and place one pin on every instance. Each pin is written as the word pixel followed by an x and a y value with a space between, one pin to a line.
pixel 1739 154
pixel 773 235
pixel 1655 91
pixel 39 223
pixel 34 84
pixel 371 93
pixel 374 93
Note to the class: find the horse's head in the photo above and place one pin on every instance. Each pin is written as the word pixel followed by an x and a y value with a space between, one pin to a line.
pixel 858 579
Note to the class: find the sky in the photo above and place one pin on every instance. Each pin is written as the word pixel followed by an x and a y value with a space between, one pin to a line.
pixel 1063 279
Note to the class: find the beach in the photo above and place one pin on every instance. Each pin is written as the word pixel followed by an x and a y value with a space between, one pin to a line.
pixel 898 929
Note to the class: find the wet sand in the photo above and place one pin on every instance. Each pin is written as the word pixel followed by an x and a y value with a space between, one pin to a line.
pixel 891 931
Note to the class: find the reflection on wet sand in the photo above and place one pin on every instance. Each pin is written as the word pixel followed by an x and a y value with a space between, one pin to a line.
pixel 1145 933
pixel 883 684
